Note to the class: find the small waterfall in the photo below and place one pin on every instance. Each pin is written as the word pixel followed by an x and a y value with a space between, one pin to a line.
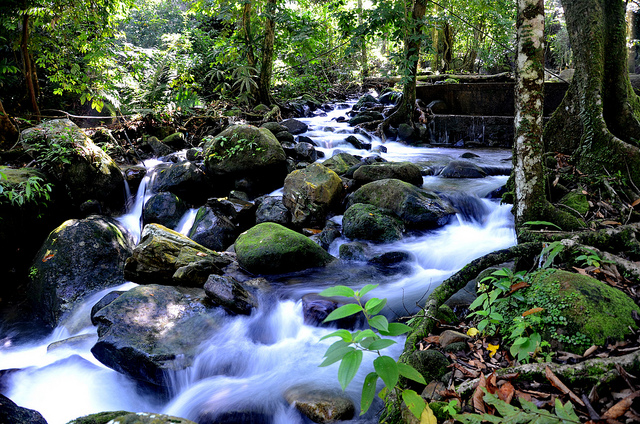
pixel 186 222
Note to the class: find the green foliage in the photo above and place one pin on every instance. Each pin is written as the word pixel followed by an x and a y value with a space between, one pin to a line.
pixel 542 223
pixel 549 253
pixel 52 155
pixel 349 349
pixel 591 258
pixel 528 413
pixel 31 191
pixel 234 146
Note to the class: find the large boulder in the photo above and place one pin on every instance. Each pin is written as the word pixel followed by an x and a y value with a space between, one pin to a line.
pixel 310 193
pixel 152 329
pixel 230 294
pixel 129 418
pixel 164 256
pixel 270 248
pixel 404 171
pixel 341 163
pixel 368 222
pixel 417 208
pixel 185 179
pixel 11 413
pixel 272 209
pixel 462 169
pixel 212 229
pixel 246 158
pixel 79 258
pixel 69 156
pixel 294 126
pixel 320 406
pixel 165 209
pixel 366 116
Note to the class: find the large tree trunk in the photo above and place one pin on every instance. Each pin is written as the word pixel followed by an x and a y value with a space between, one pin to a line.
pixel 28 66
pixel 8 132
pixel 266 70
pixel 364 66
pixel 597 121
pixel 528 148
pixel 246 26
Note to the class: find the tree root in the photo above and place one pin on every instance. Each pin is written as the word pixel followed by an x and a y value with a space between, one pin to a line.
pixel 598 370
pixel 424 324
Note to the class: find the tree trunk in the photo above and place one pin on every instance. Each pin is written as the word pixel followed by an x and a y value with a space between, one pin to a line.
pixel 364 66
pixel 597 121
pixel 8 132
pixel 447 54
pixel 404 113
pixel 28 67
pixel 528 172
pixel 246 26
pixel 266 70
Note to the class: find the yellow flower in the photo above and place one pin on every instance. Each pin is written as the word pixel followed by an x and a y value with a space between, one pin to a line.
pixel 493 349
pixel 472 332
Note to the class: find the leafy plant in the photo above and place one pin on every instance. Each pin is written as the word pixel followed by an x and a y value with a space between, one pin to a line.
pixel 530 413
pixel 33 190
pixel 233 146
pixel 349 350
pixel 525 337
pixel 549 253
pixel 591 258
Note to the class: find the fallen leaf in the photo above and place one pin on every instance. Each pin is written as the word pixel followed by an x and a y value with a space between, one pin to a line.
pixel 506 392
pixel 532 311
pixel 611 223
pixel 523 395
pixel 581 271
pixel 427 416
pixel 635 202
pixel 48 256
pixel 517 286
pixel 590 351
pixel 555 381
pixel 478 395
pixel 621 407
pixel 432 339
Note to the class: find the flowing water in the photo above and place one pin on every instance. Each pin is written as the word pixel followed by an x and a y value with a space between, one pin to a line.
pixel 253 360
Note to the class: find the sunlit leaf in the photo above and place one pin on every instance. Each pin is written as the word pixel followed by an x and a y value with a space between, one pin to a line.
pixel 337 291
pixel 381 344
pixel 343 311
pixel 375 305
pixel 380 322
pixel 411 373
pixel 343 334
pixel 396 329
pixel 472 332
pixel 366 289
pixel 368 391
pixel 387 369
pixel 414 402
pixel 349 367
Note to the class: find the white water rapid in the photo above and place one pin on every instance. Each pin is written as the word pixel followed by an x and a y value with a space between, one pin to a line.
pixel 253 360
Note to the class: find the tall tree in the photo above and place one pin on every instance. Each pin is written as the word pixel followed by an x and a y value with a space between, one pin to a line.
pixel 266 68
pixel 598 120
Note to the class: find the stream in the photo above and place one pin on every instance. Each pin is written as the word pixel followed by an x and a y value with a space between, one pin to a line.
pixel 253 360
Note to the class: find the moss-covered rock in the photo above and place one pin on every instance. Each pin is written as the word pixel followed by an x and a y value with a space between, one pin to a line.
pixel 404 171
pixel 591 310
pixel 418 209
pixel 341 163
pixel 368 222
pixel 164 209
pixel 246 158
pixel 462 169
pixel 320 406
pixel 431 364
pixel 124 417
pixel 270 248
pixel 310 193
pixel 79 258
pixel 577 201
pixel 186 180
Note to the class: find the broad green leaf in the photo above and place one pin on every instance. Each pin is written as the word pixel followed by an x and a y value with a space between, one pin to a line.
pixel 368 391
pixel 396 329
pixel 382 394
pixel 411 373
pixel 336 345
pixel 380 322
pixel 566 412
pixel 349 367
pixel 381 344
pixel 364 334
pixel 478 301
pixel 343 311
pixel 366 342
pixel 414 402
pixel 387 369
pixel 336 355
pixel 375 305
pixel 343 334
pixel 545 223
pixel 337 291
pixel 366 289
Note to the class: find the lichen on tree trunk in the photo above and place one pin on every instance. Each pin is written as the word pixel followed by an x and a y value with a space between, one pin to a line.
pixel 266 70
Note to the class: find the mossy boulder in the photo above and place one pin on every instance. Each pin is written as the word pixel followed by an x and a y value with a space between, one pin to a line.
pixel 591 310
pixel 165 209
pixel 71 159
pixel 366 116
pixel 577 201
pixel 417 208
pixel 164 256
pixel 320 406
pixel 130 418
pixel 213 229
pixel 246 158
pixel 152 329
pixel 186 180
pixel 310 194
pixel 341 163
pixel 368 222
pixel 404 171
pixel 270 248
pixel 431 364
pixel 462 169
pixel 79 258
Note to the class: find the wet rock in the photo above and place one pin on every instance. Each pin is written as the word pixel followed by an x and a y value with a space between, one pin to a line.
pixel 311 193
pixel 363 100
pixel 390 98
pixel 341 163
pixel 158 147
pixel 234 417
pixel 357 143
pixel 353 251
pixel 85 171
pixel 212 229
pixel 329 234
pixel 176 141
pixel 230 294
pixel 153 329
pixel 238 210
pixel 469 155
pixel 82 341
pixel 186 180
pixel 316 308
pixel 194 154
pixel 320 406
pixel 431 364
pixel 274 127
pixel 11 413
pixel 284 137
pixel 367 222
pixel 448 337
pixel 305 139
pixel 418 209
pixel 404 171
pixel 165 209
pixel 462 169
pixel 79 258
pixel 295 127
pixel 306 152
pixel 406 132
pixel 367 116
pixel 162 252
pixel 246 158
pixel 270 248
pixel 106 299
pixel 130 418
pixel 272 209
pixel 390 258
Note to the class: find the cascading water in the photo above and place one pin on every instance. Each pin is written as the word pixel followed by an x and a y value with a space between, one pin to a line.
pixel 252 361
